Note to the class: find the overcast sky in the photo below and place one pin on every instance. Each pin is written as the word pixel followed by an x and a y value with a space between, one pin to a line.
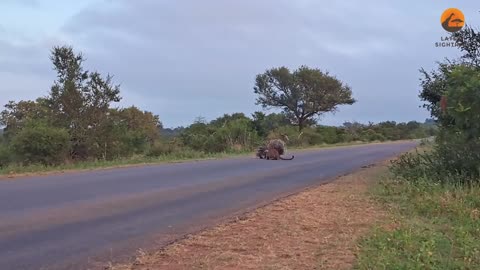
pixel 187 58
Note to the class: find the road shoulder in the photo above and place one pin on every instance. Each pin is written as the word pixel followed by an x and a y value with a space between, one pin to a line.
pixel 315 229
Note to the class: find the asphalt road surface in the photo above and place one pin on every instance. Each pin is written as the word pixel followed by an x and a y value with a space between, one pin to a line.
pixel 75 220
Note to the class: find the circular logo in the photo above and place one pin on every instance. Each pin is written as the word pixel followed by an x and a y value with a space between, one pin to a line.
pixel 452 20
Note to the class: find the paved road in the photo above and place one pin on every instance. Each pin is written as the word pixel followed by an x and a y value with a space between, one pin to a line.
pixel 67 221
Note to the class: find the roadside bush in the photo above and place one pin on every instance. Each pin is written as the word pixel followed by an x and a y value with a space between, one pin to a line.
pixel 411 166
pixel 311 137
pixel 5 155
pixel 370 135
pixel 455 163
pixel 329 135
pixel 458 155
pixel 40 143
pixel 235 135
pixel 134 142
pixel 117 143
pixel 162 149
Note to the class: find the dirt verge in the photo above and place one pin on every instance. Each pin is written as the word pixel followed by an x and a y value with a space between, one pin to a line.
pixel 315 229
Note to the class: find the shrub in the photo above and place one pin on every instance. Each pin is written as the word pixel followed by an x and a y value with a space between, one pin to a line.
pixel 329 135
pixel 40 143
pixel 456 154
pixel 311 137
pixel 5 155
pixel 445 163
pixel 234 135
pixel 370 135
pixel 161 149
pixel 410 166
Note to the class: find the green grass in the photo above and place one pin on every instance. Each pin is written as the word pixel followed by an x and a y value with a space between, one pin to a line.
pixel 436 227
pixel 13 170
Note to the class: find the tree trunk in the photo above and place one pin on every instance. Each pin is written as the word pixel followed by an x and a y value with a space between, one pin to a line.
pixel 301 124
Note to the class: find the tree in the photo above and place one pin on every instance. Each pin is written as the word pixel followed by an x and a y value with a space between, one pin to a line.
pixel 463 92
pixel 236 134
pixel 5 153
pixel 458 141
pixel 144 121
pixel 434 84
pixel 412 125
pixel 468 40
pixel 196 135
pixel 79 103
pixel 329 134
pixel 353 130
pixel 455 84
pixel 171 133
pixel 79 99
pixel 223 120
pixel 264 124
pixel 16 114
pixel 303 94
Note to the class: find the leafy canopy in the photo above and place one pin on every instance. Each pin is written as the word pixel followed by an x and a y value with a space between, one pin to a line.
pixel 301 94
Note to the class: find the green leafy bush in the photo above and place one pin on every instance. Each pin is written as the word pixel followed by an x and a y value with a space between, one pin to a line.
pixel 5 155
pixel 329 135
pixel 370 135
pixel 160 148
pixel 40 143
pixel 451 162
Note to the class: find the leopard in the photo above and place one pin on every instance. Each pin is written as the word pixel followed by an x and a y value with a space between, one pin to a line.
pixel 273 154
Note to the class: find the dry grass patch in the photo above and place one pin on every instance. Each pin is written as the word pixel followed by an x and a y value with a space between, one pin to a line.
pixel 315 229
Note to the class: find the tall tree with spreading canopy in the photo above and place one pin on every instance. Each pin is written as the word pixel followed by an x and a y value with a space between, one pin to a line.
pixel 79 99
pixel 75 120
pixel 302 94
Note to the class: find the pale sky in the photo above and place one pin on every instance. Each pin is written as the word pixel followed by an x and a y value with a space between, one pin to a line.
pixel 187 58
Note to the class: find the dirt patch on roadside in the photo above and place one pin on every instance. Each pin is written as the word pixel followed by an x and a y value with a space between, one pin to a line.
pixel 315 229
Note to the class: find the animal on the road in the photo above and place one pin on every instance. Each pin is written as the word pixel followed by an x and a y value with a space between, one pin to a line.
pixel 272 154
pixel 278 145
pixel 273 150
pixel 262 152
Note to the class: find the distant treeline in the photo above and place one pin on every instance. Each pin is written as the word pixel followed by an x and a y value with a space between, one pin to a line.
pixel 238 132
pixel 76 121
